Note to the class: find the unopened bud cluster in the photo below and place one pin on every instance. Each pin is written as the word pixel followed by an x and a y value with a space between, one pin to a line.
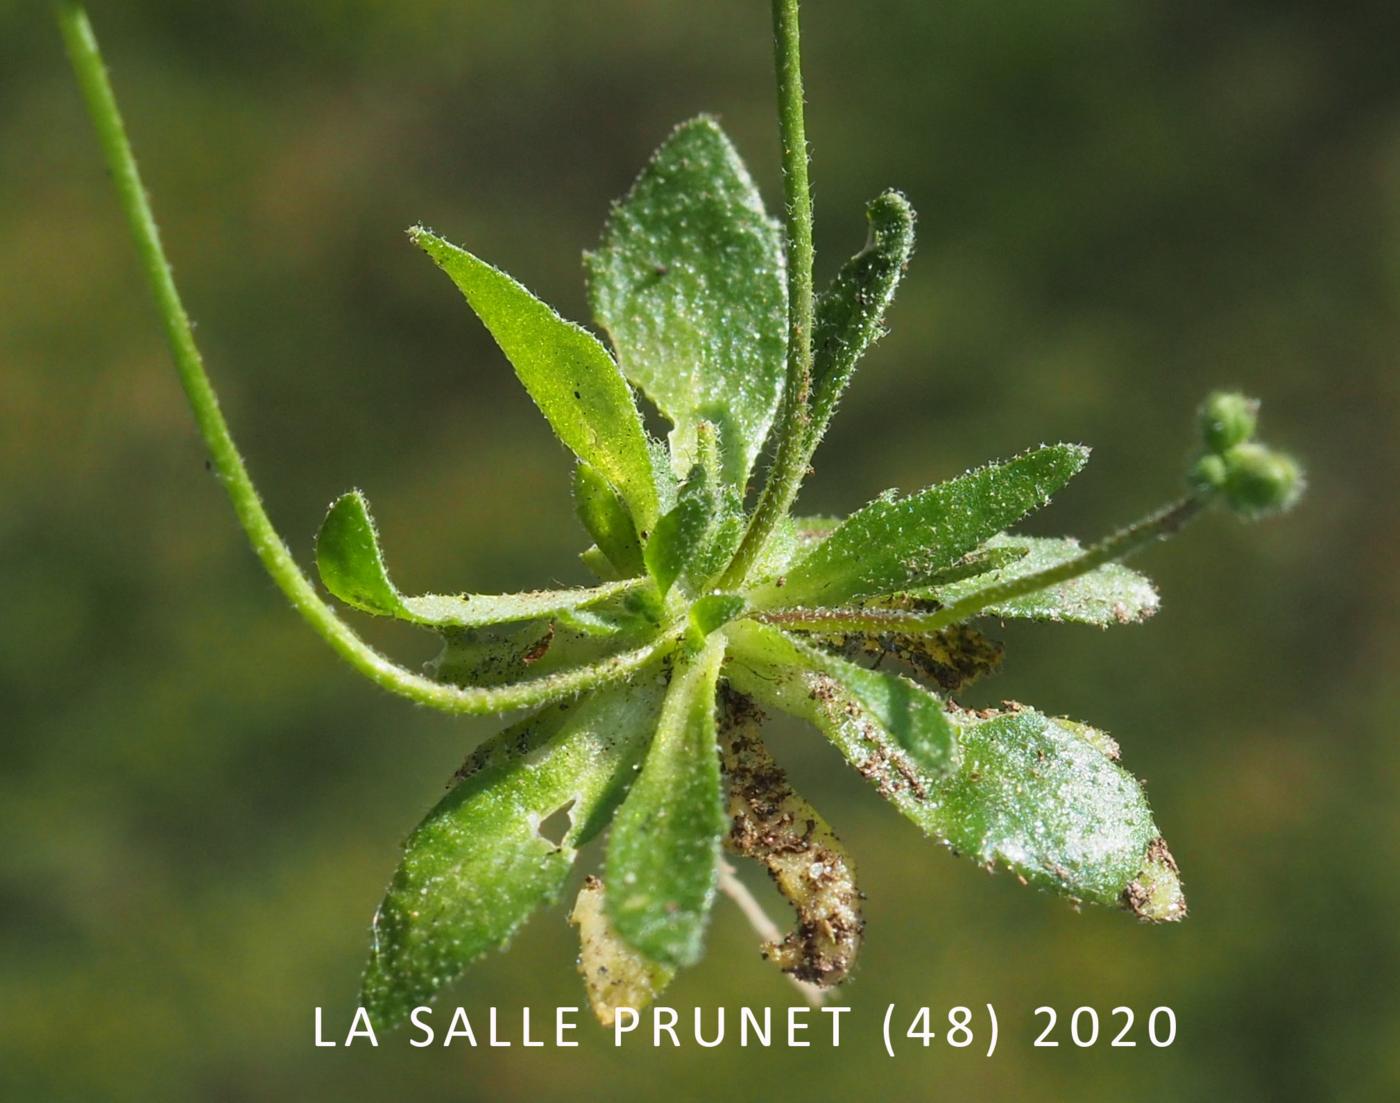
pixel 1251 478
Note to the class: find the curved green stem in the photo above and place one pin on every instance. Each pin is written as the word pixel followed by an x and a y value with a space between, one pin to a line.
pixel 790 462
pixel 223 453
pixel 1155 526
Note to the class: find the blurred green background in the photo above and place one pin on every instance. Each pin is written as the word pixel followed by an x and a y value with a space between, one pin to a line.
pixel 1122 205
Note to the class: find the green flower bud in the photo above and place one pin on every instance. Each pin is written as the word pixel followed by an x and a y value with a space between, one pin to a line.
pixel 1260 481
pixel 1209 473
pixel 1227 419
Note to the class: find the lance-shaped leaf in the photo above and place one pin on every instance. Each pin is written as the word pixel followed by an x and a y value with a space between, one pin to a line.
pixel 688 281
pixel 679 534
pixel 695 540
pixel 992 556
pixel 714 611
pixel 607 520
pixel 352 568
pixel 849 314
pixel 795 537
pixel 1040 797
pixel 1111 594
pixel 906 720
pixel 663 855
pixel 478 865
pixel 567 371
pixel 894 543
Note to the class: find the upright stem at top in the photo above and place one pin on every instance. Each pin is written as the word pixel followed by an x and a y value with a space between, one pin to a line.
pixel 789 464
pixel 797 195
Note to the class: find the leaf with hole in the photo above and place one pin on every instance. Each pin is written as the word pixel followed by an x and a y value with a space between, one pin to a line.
pixel 477 866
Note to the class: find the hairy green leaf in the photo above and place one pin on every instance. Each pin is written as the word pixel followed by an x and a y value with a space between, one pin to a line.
pixel 1111 594
pixel 352 568
pixel 721 541
pixel 350 561
pixel 478 865
pixel 715 611
pixel 663 855
pixel 567 371
pixel 851 703
pixel 607 520
pixel 850 312
pixel 599 564
pixel 689 284
pixel 991 556
pixel 1043 798
pixel 529 651
pixel 680 533
pixel 894 543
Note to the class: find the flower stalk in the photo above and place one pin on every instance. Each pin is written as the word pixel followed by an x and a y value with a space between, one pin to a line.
pixel 1162 524
pixel 790 460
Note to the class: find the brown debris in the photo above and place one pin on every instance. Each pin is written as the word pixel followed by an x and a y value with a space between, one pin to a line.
pixel 1155 895
pixel 536 650
pixel 773 824
pixel 948 659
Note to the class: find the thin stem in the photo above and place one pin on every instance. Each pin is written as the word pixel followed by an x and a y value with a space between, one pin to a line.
pixel 101 103
pixel 1155 526
pixel 767 930
pixel 857 619
pixel 790 462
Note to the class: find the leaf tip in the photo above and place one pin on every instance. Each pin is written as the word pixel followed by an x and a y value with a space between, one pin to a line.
pixel 614 974
pixel 432 244
pixel 891 207
pixel 706 122
pixel 1080 452
pixel 1155 895
pixel 349 560
pixel 385 1002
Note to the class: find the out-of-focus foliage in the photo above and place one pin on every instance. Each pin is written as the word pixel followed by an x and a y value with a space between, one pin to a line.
pixel 1122 206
